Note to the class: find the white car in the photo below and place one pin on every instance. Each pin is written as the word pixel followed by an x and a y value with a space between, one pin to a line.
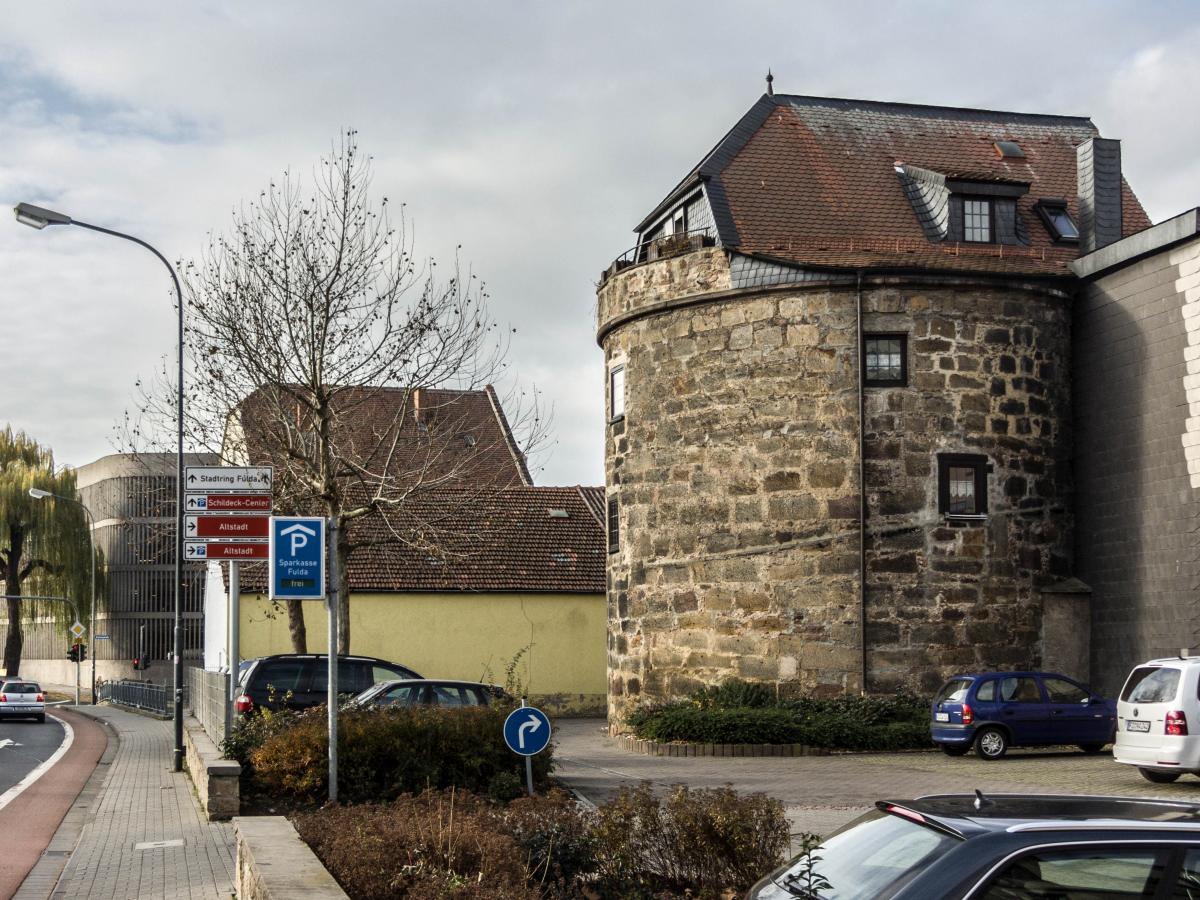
pixel 22 699
pixel 1158 719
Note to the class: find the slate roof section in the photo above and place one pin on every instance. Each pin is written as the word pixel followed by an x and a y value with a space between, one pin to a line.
pixel 466 541
pixel 812 181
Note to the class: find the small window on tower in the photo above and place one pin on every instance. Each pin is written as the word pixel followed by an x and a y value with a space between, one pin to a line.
pixel 616 393
pixel 977 220
pixel 962 485
pixel 885 360
pixel 614 527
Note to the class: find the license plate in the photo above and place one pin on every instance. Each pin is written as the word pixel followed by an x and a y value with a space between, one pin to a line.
pixel 1133 725
pixel 942 717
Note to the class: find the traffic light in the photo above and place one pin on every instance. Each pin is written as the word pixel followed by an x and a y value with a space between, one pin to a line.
pixel 73 653
pixel 141 663
pixel 82 648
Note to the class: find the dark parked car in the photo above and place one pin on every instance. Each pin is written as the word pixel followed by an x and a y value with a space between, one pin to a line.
pixel 301 680
pixel 1002 847
pixel 997 710
pixel 431 692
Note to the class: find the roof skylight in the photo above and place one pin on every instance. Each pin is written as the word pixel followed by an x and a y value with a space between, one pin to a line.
pixel 1009 150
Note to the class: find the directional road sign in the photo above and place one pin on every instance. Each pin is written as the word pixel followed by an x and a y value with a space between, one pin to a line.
pixel 100 637
pixel 77 629
pixel 229 479
pixel 297 558
pixel 527 731
pixel 235 550
pixel 231 503
pixel 227 527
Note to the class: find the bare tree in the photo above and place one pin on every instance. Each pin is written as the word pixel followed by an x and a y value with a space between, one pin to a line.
pixel 317 343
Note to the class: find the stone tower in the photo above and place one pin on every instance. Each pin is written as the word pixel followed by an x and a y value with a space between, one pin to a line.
pixel 838 439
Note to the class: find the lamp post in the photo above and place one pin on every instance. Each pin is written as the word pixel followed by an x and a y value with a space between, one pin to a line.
pixel 39 494
pixel 39 218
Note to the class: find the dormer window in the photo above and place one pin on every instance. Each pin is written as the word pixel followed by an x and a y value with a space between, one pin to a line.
pixel 1057 219
pixel 977 220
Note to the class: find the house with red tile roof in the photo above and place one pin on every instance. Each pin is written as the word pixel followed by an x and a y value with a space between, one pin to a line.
pixel 475 568
pixel 839 450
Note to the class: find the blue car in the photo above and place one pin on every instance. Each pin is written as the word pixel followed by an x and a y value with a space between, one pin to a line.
pixel 993 711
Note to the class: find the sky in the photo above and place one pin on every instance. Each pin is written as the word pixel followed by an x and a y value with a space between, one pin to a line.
pixel 533 134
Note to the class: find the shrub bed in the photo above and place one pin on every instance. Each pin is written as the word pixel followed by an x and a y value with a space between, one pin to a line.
pixel 382 753
pixel 741 713
pixel 702 844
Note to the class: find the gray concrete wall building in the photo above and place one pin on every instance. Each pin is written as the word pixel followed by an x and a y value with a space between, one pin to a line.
pixel 1136 376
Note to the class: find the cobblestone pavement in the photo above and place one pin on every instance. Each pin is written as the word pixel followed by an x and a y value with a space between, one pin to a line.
pixel 141 801
pixel 821 793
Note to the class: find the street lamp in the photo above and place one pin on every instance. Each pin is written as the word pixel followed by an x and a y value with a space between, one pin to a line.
pixel 39 494
pixel 38 217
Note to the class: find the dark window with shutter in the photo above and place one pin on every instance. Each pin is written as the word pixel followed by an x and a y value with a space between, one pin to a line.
pixel 614 527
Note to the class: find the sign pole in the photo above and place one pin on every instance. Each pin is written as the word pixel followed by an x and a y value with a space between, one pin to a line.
pixel 77 646
pixel 528 765
pixel 235 622
pixel 332 603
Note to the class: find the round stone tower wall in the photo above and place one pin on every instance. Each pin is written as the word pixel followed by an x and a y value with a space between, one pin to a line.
pixel 735 472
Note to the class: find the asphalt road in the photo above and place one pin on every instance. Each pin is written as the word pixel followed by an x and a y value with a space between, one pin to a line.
pixel 32 743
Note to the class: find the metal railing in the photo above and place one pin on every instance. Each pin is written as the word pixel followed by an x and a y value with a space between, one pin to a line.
pixel 205 693
pixel 661 247
pixel 155 698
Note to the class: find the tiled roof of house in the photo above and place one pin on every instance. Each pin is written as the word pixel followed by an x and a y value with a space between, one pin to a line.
pixel 433 436
pixel 515 539
pixel 815 181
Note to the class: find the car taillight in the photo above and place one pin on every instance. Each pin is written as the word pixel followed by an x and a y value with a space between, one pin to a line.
pixel 968 715
pixel 1176 722
pixel 243 704
pixel 3 698
pixel 41 698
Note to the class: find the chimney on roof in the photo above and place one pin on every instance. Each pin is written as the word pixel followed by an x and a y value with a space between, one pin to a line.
pixel 1098 164
pixel 416 403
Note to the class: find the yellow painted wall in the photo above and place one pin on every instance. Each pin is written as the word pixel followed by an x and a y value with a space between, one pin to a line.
pixel 462 635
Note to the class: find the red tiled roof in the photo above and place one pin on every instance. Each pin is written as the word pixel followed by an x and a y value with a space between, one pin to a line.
pixel 435 437
pixel 495 541
pixel 813 180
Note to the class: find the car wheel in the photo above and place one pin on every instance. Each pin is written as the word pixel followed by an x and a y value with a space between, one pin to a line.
pixel 1092 748
pixel 954 749
pixel 991 743
pixel 1159 777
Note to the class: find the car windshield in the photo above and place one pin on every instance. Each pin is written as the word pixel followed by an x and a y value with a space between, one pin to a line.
pixel 1151 684
pixel 873 857
pixel 953 691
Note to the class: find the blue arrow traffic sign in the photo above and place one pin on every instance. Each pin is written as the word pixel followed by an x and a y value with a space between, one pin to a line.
pixel 297 558
pixel 527 731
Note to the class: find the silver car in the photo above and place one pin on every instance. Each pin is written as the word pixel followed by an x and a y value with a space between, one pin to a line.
pixel 22 699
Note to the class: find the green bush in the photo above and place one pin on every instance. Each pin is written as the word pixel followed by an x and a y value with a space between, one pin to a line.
pixel 383 753
pixel 685 722
pixel 700 844
pixel 733 693
pixel 737 712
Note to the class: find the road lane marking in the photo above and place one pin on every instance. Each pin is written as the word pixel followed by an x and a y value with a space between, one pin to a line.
pixel 15 791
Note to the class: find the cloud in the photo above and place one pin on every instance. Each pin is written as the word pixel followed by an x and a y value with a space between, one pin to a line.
pixel 534 134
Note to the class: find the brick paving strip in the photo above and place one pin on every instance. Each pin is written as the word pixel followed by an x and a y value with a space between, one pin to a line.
pixel 33 818
pixel 821 793
pixel 141 833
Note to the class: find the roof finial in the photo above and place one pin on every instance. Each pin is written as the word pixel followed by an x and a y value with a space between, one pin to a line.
pixel 770 86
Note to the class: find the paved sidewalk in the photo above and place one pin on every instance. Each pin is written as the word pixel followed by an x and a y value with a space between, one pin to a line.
pixel 141 801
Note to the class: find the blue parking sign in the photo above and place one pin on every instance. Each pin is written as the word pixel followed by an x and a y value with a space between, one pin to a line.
pixel 297 558
pixel 527 731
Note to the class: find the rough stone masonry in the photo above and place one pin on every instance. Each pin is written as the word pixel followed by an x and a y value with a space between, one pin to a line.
pixel 735 472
